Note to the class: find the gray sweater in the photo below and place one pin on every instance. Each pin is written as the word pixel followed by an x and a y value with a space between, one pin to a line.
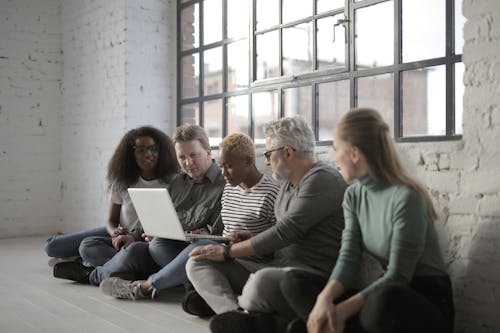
pixel 309 222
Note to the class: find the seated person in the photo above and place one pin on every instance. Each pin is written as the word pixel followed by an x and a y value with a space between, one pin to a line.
pixel 390 215
pixel 247 209
pixel 144 157
pixel 305 238
pixel 196 194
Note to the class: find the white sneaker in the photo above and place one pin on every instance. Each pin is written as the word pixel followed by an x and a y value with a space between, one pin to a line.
pixel 53 261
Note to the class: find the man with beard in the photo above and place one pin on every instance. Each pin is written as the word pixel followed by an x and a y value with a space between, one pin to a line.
pixel 304 240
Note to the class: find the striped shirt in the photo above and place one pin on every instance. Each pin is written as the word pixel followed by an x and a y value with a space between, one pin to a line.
pixel 249 209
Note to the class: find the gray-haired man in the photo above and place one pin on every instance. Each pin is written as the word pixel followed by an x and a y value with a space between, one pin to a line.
pixel 306 237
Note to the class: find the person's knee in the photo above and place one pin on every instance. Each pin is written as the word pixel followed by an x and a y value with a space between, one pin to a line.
pixel 51 247
pixel 191 268
pixel 380 307
pixel 260 286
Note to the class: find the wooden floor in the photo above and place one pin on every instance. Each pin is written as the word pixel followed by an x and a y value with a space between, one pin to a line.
pixel 31 300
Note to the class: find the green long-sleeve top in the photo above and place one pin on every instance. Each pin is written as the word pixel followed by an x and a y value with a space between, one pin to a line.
pixel 391 223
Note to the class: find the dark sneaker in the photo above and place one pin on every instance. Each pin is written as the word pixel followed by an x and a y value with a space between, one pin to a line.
pixel 296 326
pixel 73 271
pixel 242 322
pixel 194 304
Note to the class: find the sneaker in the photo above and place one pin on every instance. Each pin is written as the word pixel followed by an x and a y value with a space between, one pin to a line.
pixel 242 322
pixel 195 305
pixel 296 326
pixel 53 261
pixel 123 289
pixel 73 271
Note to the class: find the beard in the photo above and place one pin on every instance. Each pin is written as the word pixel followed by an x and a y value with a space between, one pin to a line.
pixel 282 173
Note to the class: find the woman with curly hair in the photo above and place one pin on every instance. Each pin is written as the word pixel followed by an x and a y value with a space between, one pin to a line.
pixel 145 157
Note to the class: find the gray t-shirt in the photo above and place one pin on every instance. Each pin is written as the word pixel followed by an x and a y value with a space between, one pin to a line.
pixel 309 222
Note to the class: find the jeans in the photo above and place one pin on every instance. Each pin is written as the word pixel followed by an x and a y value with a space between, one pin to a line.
pixel 172 256
pixel 97 250
pixel 132 261
pixel 64 246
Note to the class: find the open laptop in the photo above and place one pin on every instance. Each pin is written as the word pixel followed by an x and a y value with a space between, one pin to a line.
pixel 158 216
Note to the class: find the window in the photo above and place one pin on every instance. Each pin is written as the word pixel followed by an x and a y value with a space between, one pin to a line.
pixel 242 63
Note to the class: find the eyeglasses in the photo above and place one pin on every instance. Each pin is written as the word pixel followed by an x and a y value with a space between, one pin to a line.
pixel 143 149
pixel 268 153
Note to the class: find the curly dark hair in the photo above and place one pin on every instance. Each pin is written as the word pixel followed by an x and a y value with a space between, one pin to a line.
pixel 123 170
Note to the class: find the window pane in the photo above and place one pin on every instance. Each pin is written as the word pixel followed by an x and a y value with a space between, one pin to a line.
pixel 190 114
pixel 212 21
pixel 213 121
pixel 238 18
pixel 459 27
pixel 424 101
pixel 267 55
pixel 212 71
pixel 333 101
pixel 237 65
pixel 331 53
pixel 424 31
pixel 377 92
pixel 267 13
pixel 295 10
pixel 325 5
pixel 190 25
pixel 297 102
pixel 297 49
pixel 237 114
pixel 190 75
pixel 459 96
pixel 264 109
pixel 375 36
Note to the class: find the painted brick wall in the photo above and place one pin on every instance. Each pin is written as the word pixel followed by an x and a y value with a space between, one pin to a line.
pixel 30 109
pixel 118 74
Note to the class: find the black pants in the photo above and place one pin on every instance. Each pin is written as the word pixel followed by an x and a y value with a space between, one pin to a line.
pixel 425 305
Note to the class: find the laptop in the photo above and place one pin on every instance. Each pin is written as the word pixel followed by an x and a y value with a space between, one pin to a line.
pixel 158 217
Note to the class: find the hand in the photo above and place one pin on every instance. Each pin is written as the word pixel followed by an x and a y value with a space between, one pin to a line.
pixel 122 240
pixel 120 231
pixel 239 236
pixel 324 318
pixel 147 238
pixel 210 252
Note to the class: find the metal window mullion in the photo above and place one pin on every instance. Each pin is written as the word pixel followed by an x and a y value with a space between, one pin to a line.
pixel 398 91
pixel 201 82
pixel 179 68
pixel 450 73
pixel 280 39
pixel 225 70
pixel 252 40
pixel 351 55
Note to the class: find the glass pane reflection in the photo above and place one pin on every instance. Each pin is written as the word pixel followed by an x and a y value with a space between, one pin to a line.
pixel 264 109
pixel 295 10
pixel 212 71
pixel 333 101
pixel 267 55
pixel 190 75
pixel 330 53
pixel 377 92
pixel 326 5
pixel 297 49
pixel 424 101
pixel 375 35
pixel 212 21
pixel 459 27
pixel 297 102
pixel 238 18
pixel 267 13
pixel 424 32
pixel 237 114
pixel 190 27
pixel 459 97
pixel 190 114
pixel 213 121
pixel 237 65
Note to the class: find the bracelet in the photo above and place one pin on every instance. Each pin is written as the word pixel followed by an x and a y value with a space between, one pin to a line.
pixel 226 252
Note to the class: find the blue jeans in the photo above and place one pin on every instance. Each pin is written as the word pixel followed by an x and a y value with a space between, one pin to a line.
pixel 132 262
pixel 64 246
pixel 97 250
pixel 172 256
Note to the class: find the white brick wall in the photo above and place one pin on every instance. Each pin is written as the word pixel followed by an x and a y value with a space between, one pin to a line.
pixel 30 109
